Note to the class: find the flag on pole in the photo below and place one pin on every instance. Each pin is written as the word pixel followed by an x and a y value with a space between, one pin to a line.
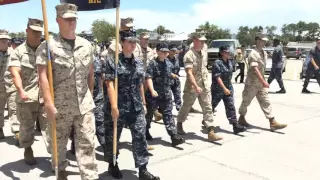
pixel 4 2
pixel 92 5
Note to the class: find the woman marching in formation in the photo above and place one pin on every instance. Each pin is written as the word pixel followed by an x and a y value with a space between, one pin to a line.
pixel 130 108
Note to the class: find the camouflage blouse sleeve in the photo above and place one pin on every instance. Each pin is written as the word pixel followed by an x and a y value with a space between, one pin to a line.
pixel 149 73
pixel 216 70
pixel 188 61
pixel 253 59
pixel 109 69
pixel 41 54
pixel 14 59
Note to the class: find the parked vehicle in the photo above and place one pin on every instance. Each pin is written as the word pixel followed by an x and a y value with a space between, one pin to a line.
pixel 294 52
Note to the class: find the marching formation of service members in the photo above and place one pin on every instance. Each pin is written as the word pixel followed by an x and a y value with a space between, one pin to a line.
pixel 148 87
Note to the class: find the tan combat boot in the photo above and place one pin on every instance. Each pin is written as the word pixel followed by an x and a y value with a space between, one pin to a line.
pixel 212 136
pixel 157 116
pixel 28 157
pixel 17 139
pixel 274 125
pixel 150 148
pixel 243 122
pixel 62 175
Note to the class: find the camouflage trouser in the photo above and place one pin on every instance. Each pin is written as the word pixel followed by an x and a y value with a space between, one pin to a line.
pixel 99 117
pixel 228 104
pixel 84 132
pixel 251 91
pixel 28 114
pixel 176 91
pixel 137 125
pixel 12 112
pixel 205 103
pixel 3 100
pixel 165 108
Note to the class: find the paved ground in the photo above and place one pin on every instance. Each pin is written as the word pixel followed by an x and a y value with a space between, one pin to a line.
pixel 256 154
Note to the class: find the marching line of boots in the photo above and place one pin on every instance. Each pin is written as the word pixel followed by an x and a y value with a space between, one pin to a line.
pixel 148 87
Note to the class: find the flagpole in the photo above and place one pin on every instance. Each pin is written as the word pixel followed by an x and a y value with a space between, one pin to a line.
pixel 115 121
pixel 50 79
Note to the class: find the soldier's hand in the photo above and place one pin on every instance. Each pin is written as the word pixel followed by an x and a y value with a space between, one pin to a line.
pixel 227 92
pixel 174 76
pixel 51 111
pixel 154 93
pixel 317 68
pixel 145 109
pixel 23 95
pixel 198 89
pixel 115 113
pixel 266 84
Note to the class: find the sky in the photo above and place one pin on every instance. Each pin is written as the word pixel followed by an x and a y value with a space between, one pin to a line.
pixel 176 15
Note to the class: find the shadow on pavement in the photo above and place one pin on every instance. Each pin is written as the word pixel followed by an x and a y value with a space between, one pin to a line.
pixel 194 136
pixel 44 165
pixel 265 129
pixel 10 140
pixel 127 175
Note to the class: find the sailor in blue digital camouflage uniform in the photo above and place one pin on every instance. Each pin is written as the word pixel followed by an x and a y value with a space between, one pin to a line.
pixel 130 108
pixel 221 87
pixel 98 99
pixel 158 78
pixel 176 85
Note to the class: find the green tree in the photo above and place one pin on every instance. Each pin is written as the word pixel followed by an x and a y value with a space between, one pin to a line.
pixel 140 30
pixel 213 32
pixel 18 34
pixel 102 30
pixel 162 30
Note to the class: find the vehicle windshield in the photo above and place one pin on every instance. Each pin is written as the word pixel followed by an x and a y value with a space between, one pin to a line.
pixel 218 44
pixel 292 49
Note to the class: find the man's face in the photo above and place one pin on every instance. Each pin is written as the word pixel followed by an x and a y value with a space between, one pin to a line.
pixel 198 44
pixel 4 44
pixel 33 35
pixel 144 41
pixel 162 54
pixel 172 53
pixel 67 24
pixel 261 43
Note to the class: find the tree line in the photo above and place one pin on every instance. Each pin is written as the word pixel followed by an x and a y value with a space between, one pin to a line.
pixel 102 30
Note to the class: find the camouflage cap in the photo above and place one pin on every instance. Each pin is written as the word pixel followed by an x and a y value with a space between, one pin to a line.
pixel 261 36
pixel 4 34
pixel 144 35
pixel 35 24
pixel 67 10
pixel 198 36
pixel 126 22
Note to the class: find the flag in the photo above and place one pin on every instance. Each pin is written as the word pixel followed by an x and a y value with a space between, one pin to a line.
pixel 92 5
pixel 4 2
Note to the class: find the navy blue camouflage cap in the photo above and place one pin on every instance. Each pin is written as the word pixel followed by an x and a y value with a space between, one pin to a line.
pixel 224 49
pixel 173 47
pixel 162 47
pixel 129 35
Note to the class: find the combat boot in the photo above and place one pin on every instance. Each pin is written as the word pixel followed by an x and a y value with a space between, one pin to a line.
pixel 1 134
pixel 17 139
pixel 62 175
pixel 157 116
pixel 282 91
pixel 176 140
pixel 148 135
pixel 237 128
pixel 180 129
pixel 242 121
pixel 38 126
pixel 73 148
pixel 274 125
pixel 305 90
pixel 28 157
pixel 144 174
pixel 150 148
pixel 213 136
pixel 114 171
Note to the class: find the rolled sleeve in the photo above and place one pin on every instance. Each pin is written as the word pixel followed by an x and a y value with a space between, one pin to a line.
pixel 14 60
pixel 149 73
pixel 42 54
pixel 188 62
pixel 109 70
pixel 253 60
pixel 216 71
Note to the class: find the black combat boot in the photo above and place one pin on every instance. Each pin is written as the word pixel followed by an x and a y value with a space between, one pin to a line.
pixel 176 140
pixel 144 174
pixel 180 128
pixel 1 134
pixel 305 90
pixel 237 128
pixel 282 91
pixel 38 126
pixel 28 157
pixel 148 135
pixel 62 175
pixel 114 171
